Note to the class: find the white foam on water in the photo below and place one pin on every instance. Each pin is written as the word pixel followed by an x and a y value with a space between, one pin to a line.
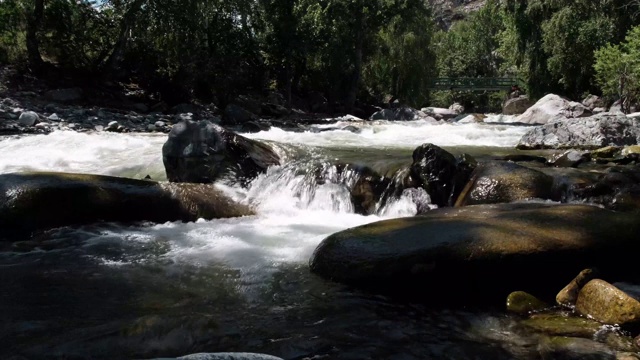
pixel 129 155
pixel 401 135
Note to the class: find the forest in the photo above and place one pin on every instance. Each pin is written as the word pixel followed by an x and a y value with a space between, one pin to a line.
pixel 353 52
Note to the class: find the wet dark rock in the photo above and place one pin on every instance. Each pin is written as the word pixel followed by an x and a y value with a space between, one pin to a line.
pixel 38 201
pixel 590 133
pixel 274 110
pixel 502 182
pixel 203 152
pixel 606 152
pixel 571 158
pixel 236 115
pixel 523 303
pixel 570 348
pixel 440 173
pixel 524 158
pixel 607 304
pixel 401 113
pixel 481 253
pixel 569 294
pixel 254 127
pixel 225 356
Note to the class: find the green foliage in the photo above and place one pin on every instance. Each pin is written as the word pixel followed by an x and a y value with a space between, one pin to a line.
pixel 617 69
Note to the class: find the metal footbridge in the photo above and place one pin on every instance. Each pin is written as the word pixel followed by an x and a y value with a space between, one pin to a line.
pixel 475 84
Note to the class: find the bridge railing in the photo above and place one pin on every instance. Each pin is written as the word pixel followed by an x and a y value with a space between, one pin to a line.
pixel 475 84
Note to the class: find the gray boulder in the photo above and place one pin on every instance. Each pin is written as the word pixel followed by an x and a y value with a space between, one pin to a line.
pixel 400 113
pixel 203 152
pixel 440 113
pixel 593 102
pixel 38 201
pixel 517 106
pixel 592 132
pixel 553 107
pixel 481 253
pixel 28 118
pixel 457 108
pixel 64 95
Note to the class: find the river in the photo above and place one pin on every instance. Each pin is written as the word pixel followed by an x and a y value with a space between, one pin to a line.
pixel 108 291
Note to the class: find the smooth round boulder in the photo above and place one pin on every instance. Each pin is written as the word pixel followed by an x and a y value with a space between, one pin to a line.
pixel 552 107
pixel 477 253
pixel 28 118
pixel 203 152
pixel 607 304
pixel 31 202
pixel 502 182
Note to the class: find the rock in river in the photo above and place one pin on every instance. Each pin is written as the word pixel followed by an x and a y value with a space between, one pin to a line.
pixel 607 304
pixel 203 152
pixel 476 253
pixel 38 201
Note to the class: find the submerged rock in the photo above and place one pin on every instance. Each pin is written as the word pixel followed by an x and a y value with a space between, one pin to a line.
pixel 502 182
pixel 607 304
pixel 203 152
pixel 562 325
pixel 523 303
pixel 477 253
pixel 592 132
pixel 570 348
pixel 38 201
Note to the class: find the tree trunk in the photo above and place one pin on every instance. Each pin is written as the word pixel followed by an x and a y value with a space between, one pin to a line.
pixel 33 47
pixel 112 63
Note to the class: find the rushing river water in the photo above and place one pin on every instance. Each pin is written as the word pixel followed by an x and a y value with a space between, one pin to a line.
pixel 108 291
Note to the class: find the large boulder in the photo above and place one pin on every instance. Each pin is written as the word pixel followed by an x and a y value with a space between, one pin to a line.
pixel 517 106
pixel 592 132
pixel 440 173
pixel 400 113
pixel 480 253
pixel 553 107
pixel 203 152
pixel 502 182
pixel 607 304
pixel 38 201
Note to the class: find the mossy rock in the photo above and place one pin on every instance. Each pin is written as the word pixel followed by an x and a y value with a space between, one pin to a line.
pixel 520 302
pixel 478 253
pixel 569 348
pixel 562 325
pixel 607 152
pixel 38 201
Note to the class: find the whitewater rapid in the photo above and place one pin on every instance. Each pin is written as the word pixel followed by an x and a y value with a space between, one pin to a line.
pixel 293 212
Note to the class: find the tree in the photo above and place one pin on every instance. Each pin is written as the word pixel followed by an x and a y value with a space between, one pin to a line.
pixel 617 69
